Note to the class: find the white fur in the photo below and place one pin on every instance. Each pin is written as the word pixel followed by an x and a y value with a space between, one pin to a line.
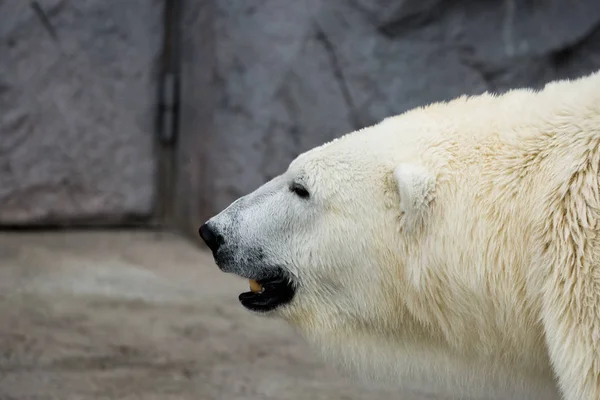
pixel 455 247
pixel 415 186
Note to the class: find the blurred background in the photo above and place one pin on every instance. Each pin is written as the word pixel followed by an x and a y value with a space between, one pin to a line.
pixel 124 124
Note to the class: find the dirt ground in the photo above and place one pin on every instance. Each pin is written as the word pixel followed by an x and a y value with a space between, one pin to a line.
pixel 144 315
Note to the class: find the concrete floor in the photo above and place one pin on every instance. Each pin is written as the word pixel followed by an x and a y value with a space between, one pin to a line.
pixel 141 315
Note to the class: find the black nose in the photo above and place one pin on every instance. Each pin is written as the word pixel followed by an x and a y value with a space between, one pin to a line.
pixel 212 239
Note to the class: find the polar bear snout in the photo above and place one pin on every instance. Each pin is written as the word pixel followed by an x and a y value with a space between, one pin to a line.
pixel 232 254
pixel 212 238
pixel 273 286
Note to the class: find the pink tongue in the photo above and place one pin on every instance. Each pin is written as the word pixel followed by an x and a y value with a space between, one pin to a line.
pixel 255 287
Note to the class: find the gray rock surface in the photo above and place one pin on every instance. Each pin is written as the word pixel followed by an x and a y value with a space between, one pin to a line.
pixel 294 74
pixel 77 105
pixel 77 87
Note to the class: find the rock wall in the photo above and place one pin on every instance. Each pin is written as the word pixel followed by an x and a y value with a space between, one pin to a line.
pixel 273 78
pixel 292 74
pixel 77 106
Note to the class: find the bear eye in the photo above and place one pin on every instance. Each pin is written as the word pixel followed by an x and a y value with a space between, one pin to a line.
pixel 299 190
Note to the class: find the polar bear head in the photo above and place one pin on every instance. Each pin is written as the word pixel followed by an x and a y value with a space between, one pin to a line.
pixel 317 236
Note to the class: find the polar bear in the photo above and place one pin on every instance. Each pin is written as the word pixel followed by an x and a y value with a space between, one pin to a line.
pixel 454 247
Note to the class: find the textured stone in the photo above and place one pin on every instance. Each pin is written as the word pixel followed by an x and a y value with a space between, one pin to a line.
pixel 291 75
pixel 77 105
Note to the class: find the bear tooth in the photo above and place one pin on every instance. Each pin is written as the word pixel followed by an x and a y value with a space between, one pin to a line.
pixel 255 287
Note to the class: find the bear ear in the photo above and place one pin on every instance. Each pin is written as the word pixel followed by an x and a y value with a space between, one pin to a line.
pixel 415 186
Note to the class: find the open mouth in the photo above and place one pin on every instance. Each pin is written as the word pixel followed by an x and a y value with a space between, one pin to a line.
pixel 268 294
